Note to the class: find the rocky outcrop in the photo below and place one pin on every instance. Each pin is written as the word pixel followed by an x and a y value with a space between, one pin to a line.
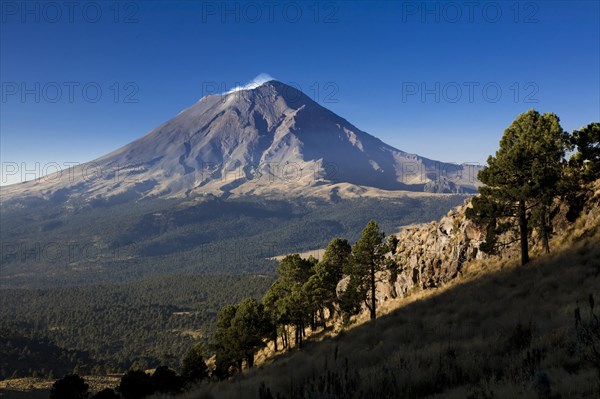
pixel 430 255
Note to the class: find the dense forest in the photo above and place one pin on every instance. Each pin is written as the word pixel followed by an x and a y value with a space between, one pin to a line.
pixel 49 244
pixel 140 325
pixel 38 357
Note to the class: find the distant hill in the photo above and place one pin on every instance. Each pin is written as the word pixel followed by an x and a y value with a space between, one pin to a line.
pixel 22 356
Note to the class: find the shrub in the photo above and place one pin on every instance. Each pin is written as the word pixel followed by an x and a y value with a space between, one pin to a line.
pixel 70 386
pixel 135 384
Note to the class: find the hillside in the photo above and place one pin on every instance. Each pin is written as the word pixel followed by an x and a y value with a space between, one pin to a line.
pixel 26 356
pixel 500 330
pixel 493 330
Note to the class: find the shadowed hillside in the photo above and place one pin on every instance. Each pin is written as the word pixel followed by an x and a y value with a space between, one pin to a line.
pixel 501 331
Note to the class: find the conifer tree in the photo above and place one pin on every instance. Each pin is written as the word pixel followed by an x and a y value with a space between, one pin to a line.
pixel 521 181
pixel 367 258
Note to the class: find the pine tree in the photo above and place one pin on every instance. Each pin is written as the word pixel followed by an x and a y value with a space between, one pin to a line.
pixel 227 355
pixel 135 384
pixel 521 181
pixel 248 327
pixel 583 167
pixel 193 366
pixel 294 272
pixel 273 305
pixel 367 259
pixel 587 157
pixel 320 288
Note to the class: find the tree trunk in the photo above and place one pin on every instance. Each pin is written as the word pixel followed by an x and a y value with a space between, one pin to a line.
pixel 523 230
pixel 250 360
pixel 546 230
pixel 275 340
pixel 284 337
pixel 302 329
pixel 373 299
pixel 299 333
pixel 332 312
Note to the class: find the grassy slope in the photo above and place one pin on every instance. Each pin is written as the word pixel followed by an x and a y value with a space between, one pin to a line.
pixel 458 341
pixel 502 331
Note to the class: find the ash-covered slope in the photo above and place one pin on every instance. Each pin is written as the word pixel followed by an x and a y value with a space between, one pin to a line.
pixel 269 139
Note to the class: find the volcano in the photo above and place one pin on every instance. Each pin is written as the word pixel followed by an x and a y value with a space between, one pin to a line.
pixel 271 139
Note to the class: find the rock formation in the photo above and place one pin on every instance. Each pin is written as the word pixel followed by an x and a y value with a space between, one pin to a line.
pixel 431 254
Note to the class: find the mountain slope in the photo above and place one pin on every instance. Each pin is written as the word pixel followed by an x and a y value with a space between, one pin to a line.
pixel 271 138
pixel 501 330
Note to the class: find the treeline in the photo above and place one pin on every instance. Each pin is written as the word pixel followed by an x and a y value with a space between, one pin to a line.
pixel 303 296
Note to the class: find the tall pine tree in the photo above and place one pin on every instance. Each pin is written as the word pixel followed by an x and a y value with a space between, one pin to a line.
pixel 368 258
pixel 521 181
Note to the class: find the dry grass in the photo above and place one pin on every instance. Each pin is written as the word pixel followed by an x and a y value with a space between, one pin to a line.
pixel 500 331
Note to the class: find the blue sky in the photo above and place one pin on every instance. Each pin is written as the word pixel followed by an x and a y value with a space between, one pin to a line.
pixel 440 79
